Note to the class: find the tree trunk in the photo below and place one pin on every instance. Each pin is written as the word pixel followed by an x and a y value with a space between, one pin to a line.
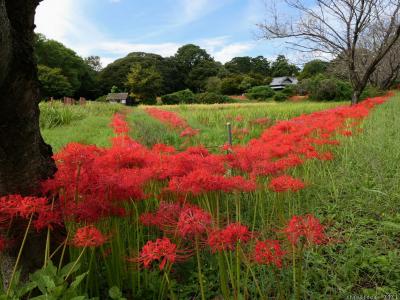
pixel 356 97
pixel 25 159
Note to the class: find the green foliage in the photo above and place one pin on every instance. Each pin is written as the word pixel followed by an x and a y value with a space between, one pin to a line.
pixel 213 84
pixel 327 89
pixel 53 83
pixel 290 90
pixel 313 68
pixel 231 85
pixel 281 67
pixel 248 65
pixel 81 76
pixel 51 283
pixel 57 114
pixel 371 91
pixel 115 89
pixel 196 66
pixel 211 98
pixel 144 82
pixel 280 97
pixel 260 93
pixel 185 96
pixel 251 81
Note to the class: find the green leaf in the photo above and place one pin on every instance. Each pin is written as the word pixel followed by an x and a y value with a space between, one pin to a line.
pixel 78 298
pixel 66 269
pixel 115 293
pixel 26 288
pixel 78 280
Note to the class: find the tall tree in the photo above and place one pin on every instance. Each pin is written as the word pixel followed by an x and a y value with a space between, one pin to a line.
pixel 25 159
pixel 336 27
pixel 282 67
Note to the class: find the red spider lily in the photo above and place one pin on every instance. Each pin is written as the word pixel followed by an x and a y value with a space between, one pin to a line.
pixel 88 236
pixel 202 181
pixel 119 124
pixel 239 118
pixel 268 252
pixel 165 149
pixel 165 218
pixel 193 222
pixel 162 251
pixel 229 237
pixel 307 227
pixel 286 183
pixel 189 132
pixel 168 117
pixel 19 206
pixel 48 219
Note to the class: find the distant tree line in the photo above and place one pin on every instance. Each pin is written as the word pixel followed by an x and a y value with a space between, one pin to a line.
pixel 147 76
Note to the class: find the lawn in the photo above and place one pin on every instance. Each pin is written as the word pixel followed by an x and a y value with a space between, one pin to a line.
pixel 328 229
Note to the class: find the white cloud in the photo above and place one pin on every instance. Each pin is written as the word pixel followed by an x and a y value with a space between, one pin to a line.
pixel 123 48
pixel 65 21
pixel 229 51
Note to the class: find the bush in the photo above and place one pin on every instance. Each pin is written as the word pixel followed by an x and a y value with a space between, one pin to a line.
pixel 262 92
pixel 280 96
pixel 289 90
pixel 371 91
pixel 185 96
pixel 231 85
pixel 102 99
pixel 211 98
pixel 326 89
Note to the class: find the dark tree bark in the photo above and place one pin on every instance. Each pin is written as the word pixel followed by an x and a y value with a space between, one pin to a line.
pixel 25 159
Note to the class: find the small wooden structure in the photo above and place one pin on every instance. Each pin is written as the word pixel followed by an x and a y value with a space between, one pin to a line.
pixel 118 98
pixel 279 83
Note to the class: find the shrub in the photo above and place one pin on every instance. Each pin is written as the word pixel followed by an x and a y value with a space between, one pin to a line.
pixel 289 90
pixel 231 85
pixel 102 99
pixel 262 92
pixel 371 91
pixel 211 98
pixel 185 96
pixel 326 89
pixel 280 96
pixel 213 85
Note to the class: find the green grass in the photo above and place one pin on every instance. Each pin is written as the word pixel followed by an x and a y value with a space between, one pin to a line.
pixel 358 196
pixel 87 124
pixel 212 120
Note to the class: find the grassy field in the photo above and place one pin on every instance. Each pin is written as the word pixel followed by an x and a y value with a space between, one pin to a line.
pixel 87 124
pixel 356 196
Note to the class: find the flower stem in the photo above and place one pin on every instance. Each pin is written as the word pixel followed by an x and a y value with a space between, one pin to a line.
pixel 19 255
pixel 199 269
pixel 74 265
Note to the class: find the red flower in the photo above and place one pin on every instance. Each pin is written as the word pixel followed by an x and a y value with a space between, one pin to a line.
pixel 24 207
pixel 228 238
pixel 189 132
pixel 286 183
pixel 193 221
pixel 268 252
pixel 88 236
pixel 307 227
pixel 48 219
pixel 162 250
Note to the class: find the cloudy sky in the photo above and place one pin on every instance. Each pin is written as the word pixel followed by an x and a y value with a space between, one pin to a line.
pixel 113 28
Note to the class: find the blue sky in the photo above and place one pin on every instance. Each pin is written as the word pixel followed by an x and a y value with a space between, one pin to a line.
pixel 113 28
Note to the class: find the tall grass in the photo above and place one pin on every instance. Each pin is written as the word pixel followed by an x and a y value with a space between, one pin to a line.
pixel 212 120
pixel 87 124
